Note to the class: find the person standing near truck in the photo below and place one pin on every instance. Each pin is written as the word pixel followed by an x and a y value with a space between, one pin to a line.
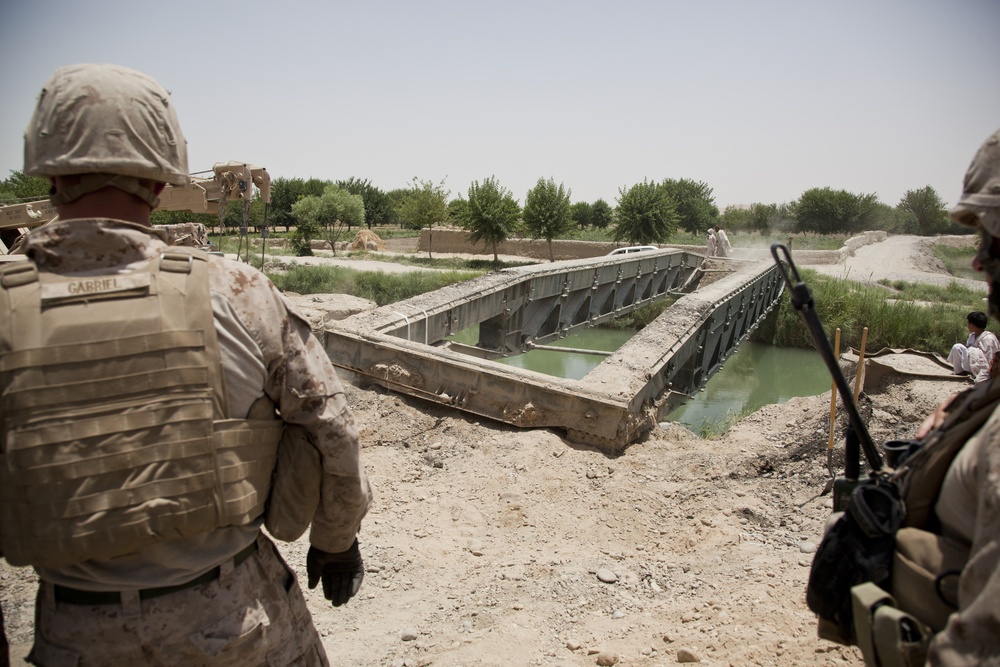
pixel 161 405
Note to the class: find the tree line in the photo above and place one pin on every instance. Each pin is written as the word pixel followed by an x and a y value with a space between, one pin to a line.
pixel 644 213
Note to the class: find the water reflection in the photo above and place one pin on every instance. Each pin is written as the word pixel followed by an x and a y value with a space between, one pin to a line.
pixel 754 376
pixel 571 365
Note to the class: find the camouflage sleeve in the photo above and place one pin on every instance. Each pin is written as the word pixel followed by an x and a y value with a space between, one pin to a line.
pixel 971 636
pixel 304 385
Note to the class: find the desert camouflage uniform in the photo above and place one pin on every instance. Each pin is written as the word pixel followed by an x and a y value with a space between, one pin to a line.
pixel 969 510
pixel 253 614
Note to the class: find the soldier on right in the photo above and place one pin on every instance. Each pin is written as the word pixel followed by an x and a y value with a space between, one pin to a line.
pixel 968 506
pixel 910 571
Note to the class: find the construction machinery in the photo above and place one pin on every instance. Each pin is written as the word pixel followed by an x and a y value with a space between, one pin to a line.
pixel 17 219
pixel 230 182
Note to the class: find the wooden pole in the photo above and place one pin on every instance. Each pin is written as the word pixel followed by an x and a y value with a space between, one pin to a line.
pixel 833 391
pixel 833 417
pixel 861 365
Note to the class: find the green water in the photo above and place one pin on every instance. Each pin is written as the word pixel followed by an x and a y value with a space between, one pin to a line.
pixel 572 365
pixel 754 376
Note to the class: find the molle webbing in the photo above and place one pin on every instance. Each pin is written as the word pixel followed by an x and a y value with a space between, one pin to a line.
pixel 922 475
pixel 114 432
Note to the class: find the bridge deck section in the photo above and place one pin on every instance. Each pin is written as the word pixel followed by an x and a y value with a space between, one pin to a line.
pixel 405 346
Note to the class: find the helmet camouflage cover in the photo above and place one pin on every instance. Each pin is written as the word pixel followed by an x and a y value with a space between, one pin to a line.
pixel 105 119
pixel 980 200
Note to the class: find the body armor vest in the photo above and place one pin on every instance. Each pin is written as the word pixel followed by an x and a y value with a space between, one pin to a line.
pixel 889 541
pixel 926 564
pixel 114 428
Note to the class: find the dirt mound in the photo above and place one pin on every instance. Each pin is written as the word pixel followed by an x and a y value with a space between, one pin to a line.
pixel 366 239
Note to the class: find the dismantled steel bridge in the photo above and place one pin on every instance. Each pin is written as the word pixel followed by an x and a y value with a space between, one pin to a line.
pixel 406 346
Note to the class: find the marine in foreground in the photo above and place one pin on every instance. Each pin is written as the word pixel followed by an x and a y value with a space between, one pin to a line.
pixel 160 406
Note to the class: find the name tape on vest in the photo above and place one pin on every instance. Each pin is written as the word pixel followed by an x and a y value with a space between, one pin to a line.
pixel 95 285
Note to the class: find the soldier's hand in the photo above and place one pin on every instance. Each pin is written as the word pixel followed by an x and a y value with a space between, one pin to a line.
pixel 934 419
pixel 341 572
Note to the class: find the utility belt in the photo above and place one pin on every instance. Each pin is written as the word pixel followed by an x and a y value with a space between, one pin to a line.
pixel 67 595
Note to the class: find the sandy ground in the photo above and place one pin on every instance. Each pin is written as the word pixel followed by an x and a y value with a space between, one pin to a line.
pixel 900 258
pixel 489 545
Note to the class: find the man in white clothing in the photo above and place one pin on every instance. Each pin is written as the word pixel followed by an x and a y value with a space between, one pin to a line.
pixel 976 356
pixel 724 247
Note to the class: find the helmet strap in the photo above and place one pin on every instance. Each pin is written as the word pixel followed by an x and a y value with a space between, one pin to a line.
pixel 94 182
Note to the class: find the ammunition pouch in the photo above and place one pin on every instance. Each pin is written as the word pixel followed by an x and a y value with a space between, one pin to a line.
pixel 887 636
pixel 925 575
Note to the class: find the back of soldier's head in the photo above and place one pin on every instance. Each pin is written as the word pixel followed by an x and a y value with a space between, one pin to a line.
pixel 107 120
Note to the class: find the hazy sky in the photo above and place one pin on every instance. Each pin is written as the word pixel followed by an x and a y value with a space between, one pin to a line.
pixel 760 99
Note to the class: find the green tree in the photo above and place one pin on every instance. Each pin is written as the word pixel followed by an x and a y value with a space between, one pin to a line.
pixel 547 212
pixel 21 187
pixel 327 214
pixel 929 214
pixel 396 198
pixel 602 214
pixel 424 205
pixel 378 206
pixel 285 192
pixel 646 214
pixel 232 217
pixel 759 217
pixel 695 203
pixel 582 213
pixel 735 218
pixel 458 211
pixel 828 211
pixel 493 214
pixel 306 213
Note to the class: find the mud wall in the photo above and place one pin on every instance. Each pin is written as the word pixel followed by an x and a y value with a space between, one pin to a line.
pixel 457 241
pixel 454 240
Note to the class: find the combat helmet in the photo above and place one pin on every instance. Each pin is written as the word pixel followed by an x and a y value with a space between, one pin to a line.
pixel 112 125
pixel 980 200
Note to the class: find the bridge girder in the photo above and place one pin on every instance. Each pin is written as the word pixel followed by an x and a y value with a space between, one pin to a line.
pixel 404 346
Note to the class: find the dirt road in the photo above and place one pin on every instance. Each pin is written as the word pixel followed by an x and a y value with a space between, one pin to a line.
pixel 897 258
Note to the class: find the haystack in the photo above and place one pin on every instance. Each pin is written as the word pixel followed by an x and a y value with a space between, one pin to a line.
pixel 367 240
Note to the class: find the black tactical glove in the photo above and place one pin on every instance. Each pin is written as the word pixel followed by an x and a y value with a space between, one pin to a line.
pixel 341 572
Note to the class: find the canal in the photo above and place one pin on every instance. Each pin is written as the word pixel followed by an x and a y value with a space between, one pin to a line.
pixel 754 376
